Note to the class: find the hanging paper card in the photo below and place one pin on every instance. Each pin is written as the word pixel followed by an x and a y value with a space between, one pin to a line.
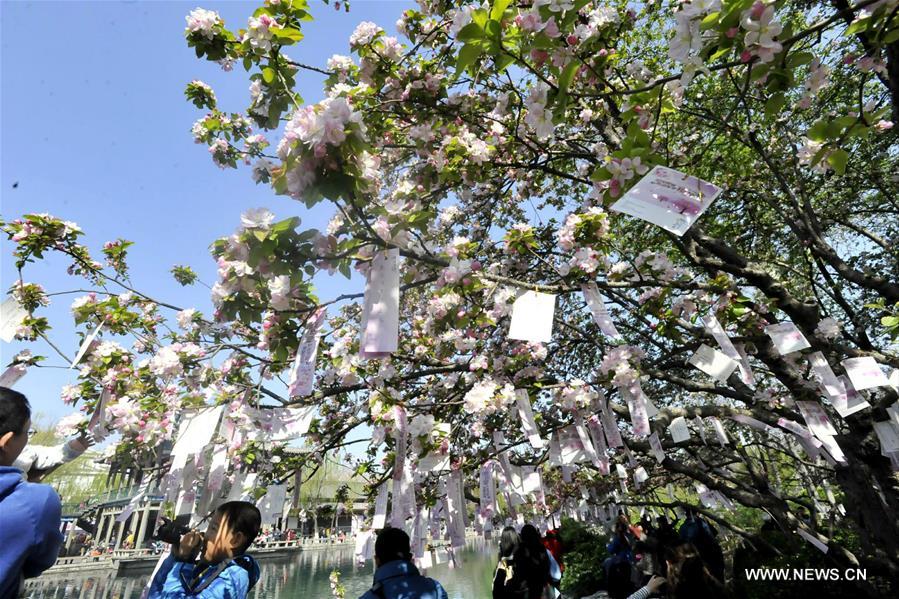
pixel 719 430
pixel 532 317
pixel 786 337
pixel 397 512
pixel 750 422
pixel 572 449
pixel 271 505
pixel 830 384
pixel 284 424
pixel 381 306
pixel 640 476
pixel 849 402
pixel 217 468
pixel 620 470
pixel 488 489
pixel 499 442
pixel 656 446
pixel 865 373
pixel 668 198
pixel 713 362
pixel 528 426
pixel 830 444
pixel 380 517
pixel 795 428
pixel 820 545
pixel 196 430
pixel 365 545
pixel 531 482
pixel 12 374
pixel 700 426
pixel 717 331
pixel 302 374
pixel 555 450
pixel 637 409
pixel 454 507
pixel 610 427
pixel 86 345
pixel 678 430
pixel 586 442
pixel 599 443
pixel 597 306
pixel 888 435
pixel 434 462
pixel 816 419
pixel 11 316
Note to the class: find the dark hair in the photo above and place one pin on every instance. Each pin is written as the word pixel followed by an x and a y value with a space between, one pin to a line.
pixel 243 517
pixel 689 577
pixel 392 544
pixel 536 555
pixel 509 541
pixel 14 411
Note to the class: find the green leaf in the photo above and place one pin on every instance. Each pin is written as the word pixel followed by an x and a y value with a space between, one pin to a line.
pixel 499 8
pixel 890 321
pixel 467 55
pixel 268 74
pixel 470 32
pixel 799 58
pixel 710 21
pixel 838 160
pixel 858 26
pixel 818 131
pixel 774 104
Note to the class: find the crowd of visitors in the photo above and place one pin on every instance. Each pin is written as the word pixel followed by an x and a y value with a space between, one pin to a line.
pixel 658 559
pixel 645 559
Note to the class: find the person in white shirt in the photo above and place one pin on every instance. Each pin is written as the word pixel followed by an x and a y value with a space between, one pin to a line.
pixel 37 461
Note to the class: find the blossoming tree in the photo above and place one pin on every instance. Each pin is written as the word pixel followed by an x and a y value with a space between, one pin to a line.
pixel 487 143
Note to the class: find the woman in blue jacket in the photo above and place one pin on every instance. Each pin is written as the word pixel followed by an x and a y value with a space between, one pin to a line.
pixel 224 571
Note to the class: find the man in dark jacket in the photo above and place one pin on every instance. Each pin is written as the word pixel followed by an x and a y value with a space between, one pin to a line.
pixel 396 577
pixel 29 513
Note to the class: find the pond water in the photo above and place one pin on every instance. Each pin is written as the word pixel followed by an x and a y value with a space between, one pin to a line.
pixel 303 575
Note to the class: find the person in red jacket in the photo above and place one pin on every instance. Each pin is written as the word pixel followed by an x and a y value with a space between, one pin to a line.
pixel 552 542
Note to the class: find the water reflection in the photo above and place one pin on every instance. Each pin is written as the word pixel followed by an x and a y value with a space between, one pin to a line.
pixel 303 576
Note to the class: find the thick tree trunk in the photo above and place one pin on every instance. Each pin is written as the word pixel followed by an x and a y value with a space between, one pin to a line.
pixel 871 499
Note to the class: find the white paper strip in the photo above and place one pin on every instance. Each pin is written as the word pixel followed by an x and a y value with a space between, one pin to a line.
pixel 786 337
pixel 586 441
pixel 302 374
pixel 571 447
pixel 714 327
pixel 865 373
pixel 888 435
pixel 599 443
pixel 816 419
pixel 813 540
pixel 434 462
pixel 532 317
pixel 656 446
pixel 526 413
pixel 271 505
pixel 196 430
pixel 700 427
pixel 12 375
pixel 669 199
pixel 454 508
pixel 849 402
pixel 713 362
pixel 381 306
pixel 640 476
pixel 217 467
pixel 11 316
pixel 610 427
pixel 637 408
pixel 678 430
pixel 597 306
pixel 380 517
pixel 719 430
pixel 284 424
pixel 86 345
pixel 365 546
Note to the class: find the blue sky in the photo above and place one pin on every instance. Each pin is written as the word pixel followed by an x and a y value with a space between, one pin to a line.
pixel 94 128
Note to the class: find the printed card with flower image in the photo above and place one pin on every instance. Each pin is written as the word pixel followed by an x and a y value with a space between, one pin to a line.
pixel 865 373
pixel 786 337
pixel 668 198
